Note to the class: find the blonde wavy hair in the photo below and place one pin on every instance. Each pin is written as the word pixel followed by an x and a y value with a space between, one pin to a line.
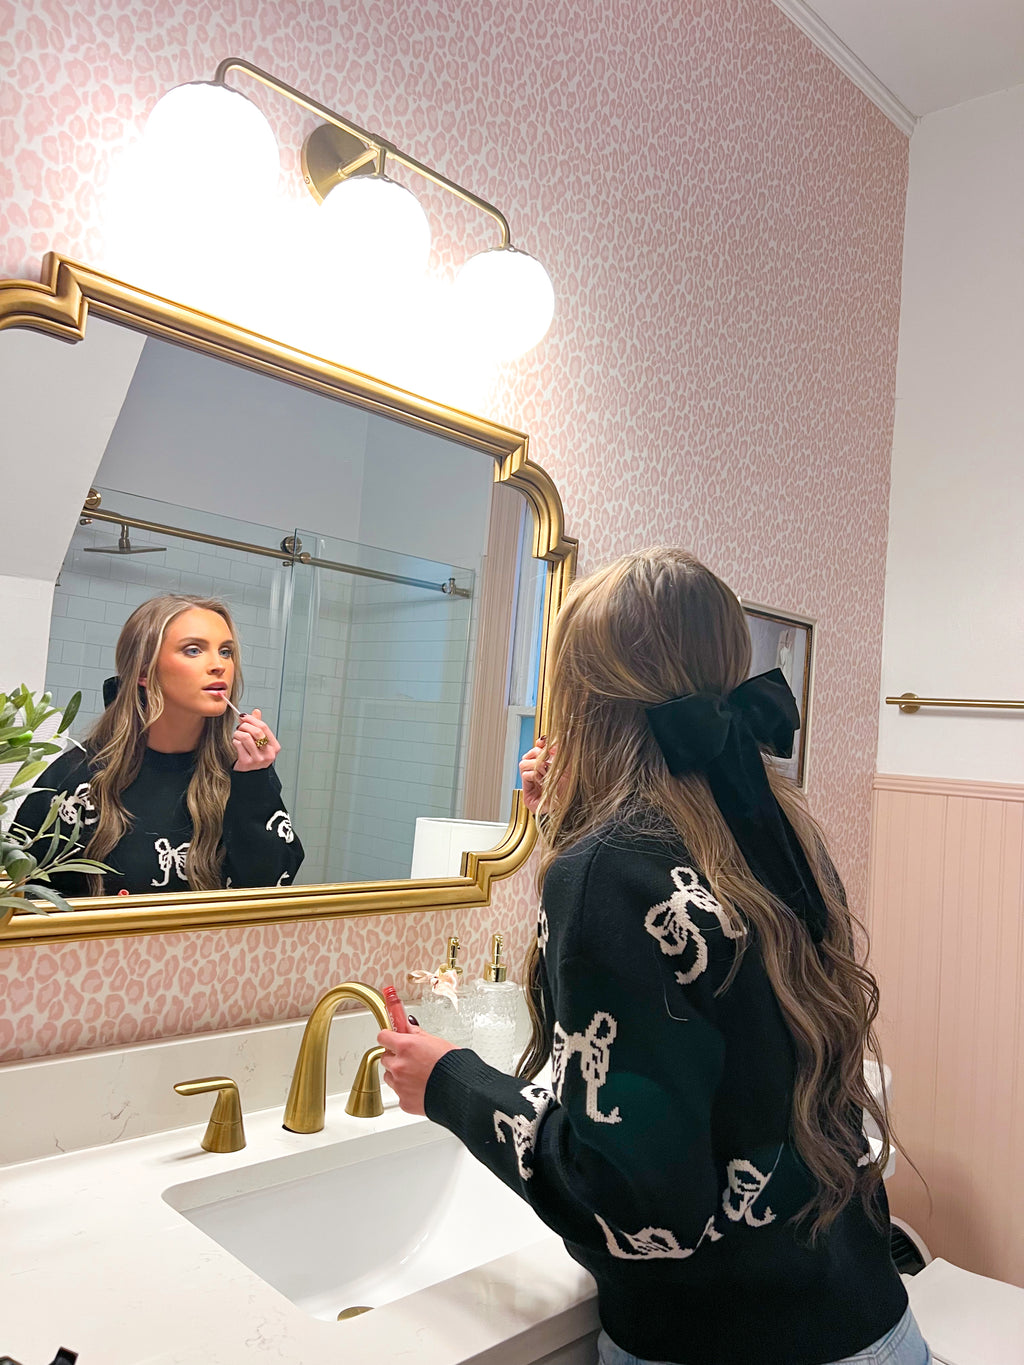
pixel 650 627
pixel 117 742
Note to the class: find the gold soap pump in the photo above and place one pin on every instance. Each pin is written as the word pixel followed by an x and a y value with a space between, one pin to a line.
pixel 495 972
pixel 494 1029
pixel 438 1012
pixel 451 952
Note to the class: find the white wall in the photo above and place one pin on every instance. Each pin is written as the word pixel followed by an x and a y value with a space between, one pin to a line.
pixel 58 405
pixel 954 607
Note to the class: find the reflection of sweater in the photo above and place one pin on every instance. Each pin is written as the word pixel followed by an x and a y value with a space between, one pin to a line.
pixel 663 1155
pixel 260 847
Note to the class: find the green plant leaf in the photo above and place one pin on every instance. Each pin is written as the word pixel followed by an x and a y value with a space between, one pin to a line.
pixel 28 772
pixel 46 746
pixel 18 864
pixel 51 818
pixel 79 865
pixel 46 893
pixel 70 712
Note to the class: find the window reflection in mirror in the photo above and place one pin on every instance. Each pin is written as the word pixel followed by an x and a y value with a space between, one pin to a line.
pixel 388 608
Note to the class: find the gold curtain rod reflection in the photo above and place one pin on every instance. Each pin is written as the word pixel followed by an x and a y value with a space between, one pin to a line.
pixel 909 702
pixel 91 512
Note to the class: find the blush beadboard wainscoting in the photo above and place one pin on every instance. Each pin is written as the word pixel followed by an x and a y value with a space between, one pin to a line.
pixel 947 945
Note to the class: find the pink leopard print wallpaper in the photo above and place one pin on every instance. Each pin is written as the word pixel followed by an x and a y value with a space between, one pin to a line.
pixel 721 213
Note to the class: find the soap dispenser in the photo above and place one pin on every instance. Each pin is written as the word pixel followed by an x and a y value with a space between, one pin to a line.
pixel 446 1007
pixel 494 1025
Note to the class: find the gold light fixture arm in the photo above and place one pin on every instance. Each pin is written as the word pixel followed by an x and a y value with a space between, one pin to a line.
pixel 908 703
pixel 378 148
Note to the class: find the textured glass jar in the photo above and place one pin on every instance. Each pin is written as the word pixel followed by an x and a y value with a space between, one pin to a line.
pixel 438 1015
pixel 494 1023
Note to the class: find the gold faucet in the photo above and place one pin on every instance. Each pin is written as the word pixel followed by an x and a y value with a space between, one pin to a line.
pixel 307 1098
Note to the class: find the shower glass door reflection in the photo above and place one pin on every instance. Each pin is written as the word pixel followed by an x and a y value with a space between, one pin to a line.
pixel 374 695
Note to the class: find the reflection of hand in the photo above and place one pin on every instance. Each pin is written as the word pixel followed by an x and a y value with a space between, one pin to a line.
pixel 533 767
pixel 251 755
pixel 408 1060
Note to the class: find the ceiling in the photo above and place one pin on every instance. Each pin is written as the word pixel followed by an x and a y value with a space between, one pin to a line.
pixel 929 54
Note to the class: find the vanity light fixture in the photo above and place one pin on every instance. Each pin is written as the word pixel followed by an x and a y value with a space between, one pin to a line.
pixel 213 135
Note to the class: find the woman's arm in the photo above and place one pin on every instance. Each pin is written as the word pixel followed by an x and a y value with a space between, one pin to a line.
pixel 260 846
pixel 617 1156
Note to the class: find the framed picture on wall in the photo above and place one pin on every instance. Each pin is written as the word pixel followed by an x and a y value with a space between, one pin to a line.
pixel 785 640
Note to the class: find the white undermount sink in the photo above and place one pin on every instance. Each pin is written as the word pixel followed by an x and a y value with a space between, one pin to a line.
pixel 363 1222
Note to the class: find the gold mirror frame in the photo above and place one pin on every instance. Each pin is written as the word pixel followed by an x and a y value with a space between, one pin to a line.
pixel 59 305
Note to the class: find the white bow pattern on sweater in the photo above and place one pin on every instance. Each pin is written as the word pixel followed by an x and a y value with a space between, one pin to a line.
pixel 169 858
pixel 282 821
pixel 677 934
pixel 79 804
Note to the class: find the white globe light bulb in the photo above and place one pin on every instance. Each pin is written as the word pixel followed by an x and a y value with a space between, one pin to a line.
pixel 505 300
pixel 374 224
pixel 206 139
pixel 188 218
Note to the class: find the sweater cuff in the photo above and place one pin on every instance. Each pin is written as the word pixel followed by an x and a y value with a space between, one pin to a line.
pixel 455 1086
pixel 256 787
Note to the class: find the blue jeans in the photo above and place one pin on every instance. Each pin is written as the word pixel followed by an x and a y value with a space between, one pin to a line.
pixel 904 1345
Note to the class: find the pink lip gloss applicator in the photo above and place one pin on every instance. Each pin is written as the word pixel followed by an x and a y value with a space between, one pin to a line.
pixel 396 1010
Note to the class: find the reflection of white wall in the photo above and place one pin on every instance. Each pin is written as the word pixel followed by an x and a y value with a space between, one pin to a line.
pixel 954 626
pixel 201 432
pixel 59 404
pixel 425 495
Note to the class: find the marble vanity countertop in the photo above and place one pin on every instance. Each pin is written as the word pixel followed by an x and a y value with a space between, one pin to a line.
pixel 95 1260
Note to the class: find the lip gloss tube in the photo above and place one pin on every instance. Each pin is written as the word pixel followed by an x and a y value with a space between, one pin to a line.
pixel 399 1019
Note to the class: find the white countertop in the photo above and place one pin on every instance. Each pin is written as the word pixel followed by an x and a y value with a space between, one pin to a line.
pixel 95 1260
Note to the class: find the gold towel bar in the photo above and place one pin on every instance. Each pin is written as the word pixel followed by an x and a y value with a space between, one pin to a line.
pixel 909 703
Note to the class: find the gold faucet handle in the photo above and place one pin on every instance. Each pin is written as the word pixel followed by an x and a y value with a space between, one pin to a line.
pixel 364 1100
pixel 224 1132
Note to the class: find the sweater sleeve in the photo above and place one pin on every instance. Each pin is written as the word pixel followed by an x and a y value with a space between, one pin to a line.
pixel 617 1156
pixel 260 846
pixel 68 777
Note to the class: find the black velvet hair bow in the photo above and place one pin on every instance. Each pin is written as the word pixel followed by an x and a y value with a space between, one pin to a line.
pixel 112 686
pixel 722 737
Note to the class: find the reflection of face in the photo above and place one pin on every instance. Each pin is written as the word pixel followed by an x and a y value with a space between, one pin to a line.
pixel 196 663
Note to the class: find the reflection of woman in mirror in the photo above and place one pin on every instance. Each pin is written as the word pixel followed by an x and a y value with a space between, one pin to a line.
pixel 172 792
pixel 696 985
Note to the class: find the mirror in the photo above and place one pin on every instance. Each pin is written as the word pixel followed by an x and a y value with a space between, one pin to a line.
pixel 392 568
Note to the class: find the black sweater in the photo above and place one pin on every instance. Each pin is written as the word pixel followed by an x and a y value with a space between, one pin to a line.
pixel 260 846
pixel 663 1155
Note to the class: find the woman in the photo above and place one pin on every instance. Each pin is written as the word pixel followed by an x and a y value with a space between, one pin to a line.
pixel 170 792
pixel 701 1148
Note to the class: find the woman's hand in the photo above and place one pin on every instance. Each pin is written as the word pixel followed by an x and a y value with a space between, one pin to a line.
pixel 251 753
pixel 533 767
pixel 408 1060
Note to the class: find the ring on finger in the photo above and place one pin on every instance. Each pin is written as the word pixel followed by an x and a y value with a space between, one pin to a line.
pixel 262 742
